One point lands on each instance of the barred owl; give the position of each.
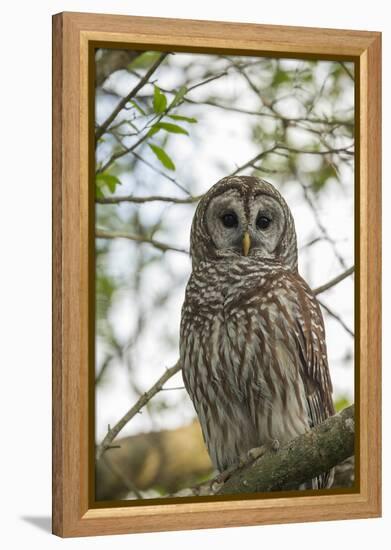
(252, 343)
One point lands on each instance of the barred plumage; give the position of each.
(252, 344)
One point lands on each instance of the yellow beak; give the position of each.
(246, 243)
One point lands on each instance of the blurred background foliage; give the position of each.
(168, 126)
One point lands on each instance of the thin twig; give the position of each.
(347, 71)
(206, 81)
(314, 152)
(101, 234)
(147, 396)
(337, 318)
(103, 127)
(320, 224)
(150, 198)
(120, 154)
(121, 476)
(174, 388)
(152, 166)
(131, 149)
(160, 172)
(313, 241)
(295, 120)
(334, 281)
(103, 369)
(253, 160)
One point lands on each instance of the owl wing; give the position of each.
(311, 344)
(313, 368)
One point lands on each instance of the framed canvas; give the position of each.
(238, 384)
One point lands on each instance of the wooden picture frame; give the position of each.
(74, 36)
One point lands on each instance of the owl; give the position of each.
(252, 337)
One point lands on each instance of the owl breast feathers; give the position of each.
(252, 342)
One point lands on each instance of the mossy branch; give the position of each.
(304, 458)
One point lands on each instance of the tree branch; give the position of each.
(304, 458)
(150, 198)
(147, 396)
(122, 103)
(111, 61)
(103, 127)
(337, 318)
(334, 281)
(347, 71)
(160, 172)
(101, 234)
(253, 160)
(296, 120)
(314, 152)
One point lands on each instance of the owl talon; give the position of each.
(257, 452)
(224, 475)
(244, 460)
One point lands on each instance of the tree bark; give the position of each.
(307, 456)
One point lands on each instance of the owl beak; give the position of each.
(246, 243)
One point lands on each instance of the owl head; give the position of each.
(243, 216)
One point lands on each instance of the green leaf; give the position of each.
(162, 156)
(179, 96)
(137, 106)
(280, 77)
(341, 403)
(320, 177)
(159, 100)
(173, 128)
(154, 130)
(185, 118)
(107, 180)
(98, 192)
(145, 60)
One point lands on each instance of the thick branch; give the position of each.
(103, 127)
(173, 460)
(304, 458)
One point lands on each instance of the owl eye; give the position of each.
(230, 219)
(263, 221)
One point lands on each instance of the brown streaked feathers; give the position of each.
(252, 344)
